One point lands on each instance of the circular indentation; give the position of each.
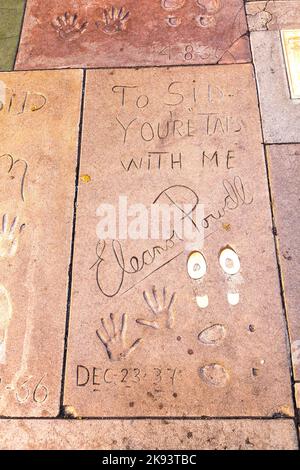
(214, 374)
(196, 265)
(206, 21)
(229, 261)
(190, 352)
(251, 328)
(173, 21)
(213, 334)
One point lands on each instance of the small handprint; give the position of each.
(68, 27)
(163, 312)
(115, 341)
(114, 20)
(9, 237)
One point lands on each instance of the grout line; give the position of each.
(277, 259)
(248, 30)
(70, 274)
(282, 143)
(149, 418)
(135, 67)
(20, 35)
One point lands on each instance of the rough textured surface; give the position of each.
(217, 361)
(297, 394)
(284, 162)
(280, 114)
(38, 152)
(273, 15)
(130, 435)
(11, 13)
(186, 351)
(132, 33)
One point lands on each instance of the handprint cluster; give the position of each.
(113, 338)
(69, 28)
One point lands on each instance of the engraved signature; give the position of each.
(13, 165)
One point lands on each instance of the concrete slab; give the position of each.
(145, 434)
(280, 113)
(285, 180)
(161, 338)
(101, 34)
(39, 119)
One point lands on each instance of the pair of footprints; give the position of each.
(230, 264)
(113, 337)
(69, 28)
(208, 10)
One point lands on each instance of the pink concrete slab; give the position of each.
(175, 346)
(39, 116)
(161, 434)
(104, 34)
(273, 15)
(285, 181)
